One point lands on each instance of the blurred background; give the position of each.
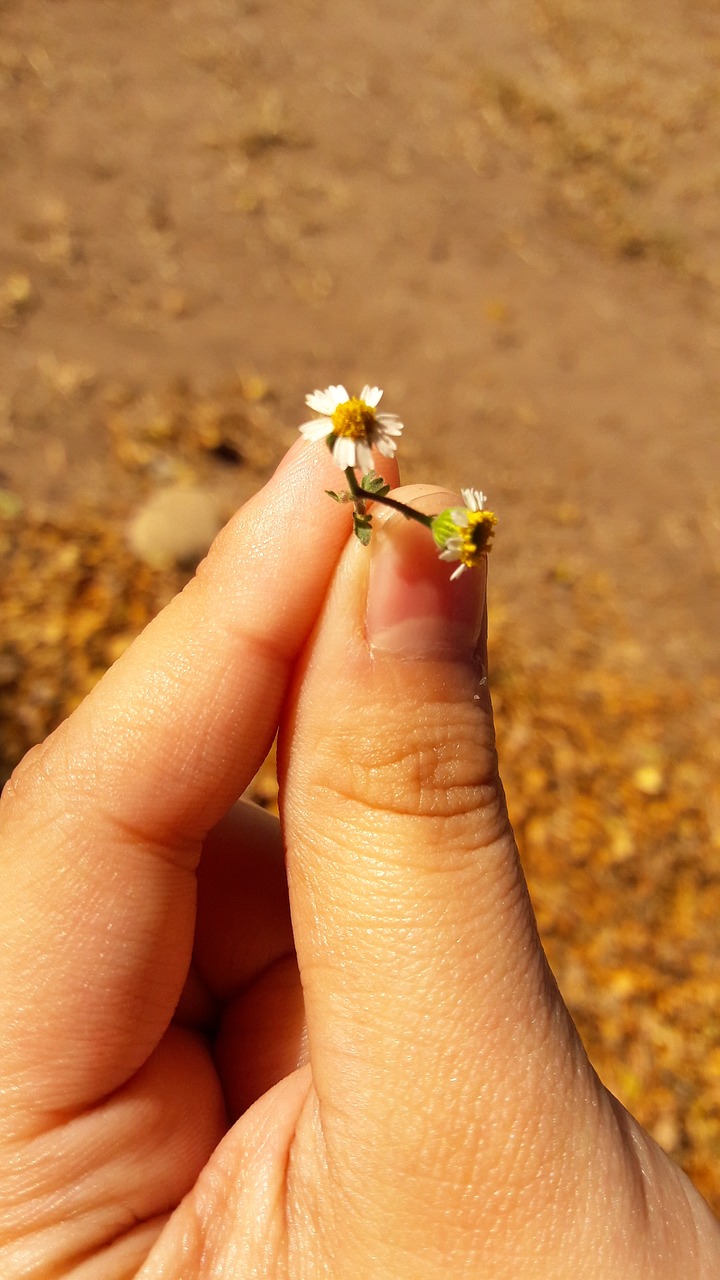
(505, 214)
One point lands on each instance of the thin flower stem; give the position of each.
(364, 495)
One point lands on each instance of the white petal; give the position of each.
(371, 395)
(317, 429)
(364, 456)
(344, 452)
(388, 448)
(390, 423)
(337, 394)
(474, 499)
(460, 569)
(459, 516)
(326, 401)
(319, 401)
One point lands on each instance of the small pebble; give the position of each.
(175, 526)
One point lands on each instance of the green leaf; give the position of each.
(373, 483)
(362, 528)
(339, 497)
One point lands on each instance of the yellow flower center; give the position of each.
(354, 419)
(476, 536)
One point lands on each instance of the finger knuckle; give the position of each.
(442, 764)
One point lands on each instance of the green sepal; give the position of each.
(444, 527)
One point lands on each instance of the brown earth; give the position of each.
(504, 214)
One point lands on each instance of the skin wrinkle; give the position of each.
(98, 1229)
(181, 853)
(437, 757)
(127, 1250)
(426, 761)
(461, 805)
(95, 1158)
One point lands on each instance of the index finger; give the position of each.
(103, 825)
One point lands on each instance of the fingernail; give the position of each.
(413, 609)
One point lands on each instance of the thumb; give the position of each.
(429, 1003)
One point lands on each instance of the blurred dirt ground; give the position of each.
(507, 217)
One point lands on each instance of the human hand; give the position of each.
(444, 1120)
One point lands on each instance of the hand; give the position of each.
(163, 1111)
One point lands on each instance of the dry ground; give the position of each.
(507, 215)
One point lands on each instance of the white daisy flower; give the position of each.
(351, 426)
(464, 533)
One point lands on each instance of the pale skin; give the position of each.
(371, 1075)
